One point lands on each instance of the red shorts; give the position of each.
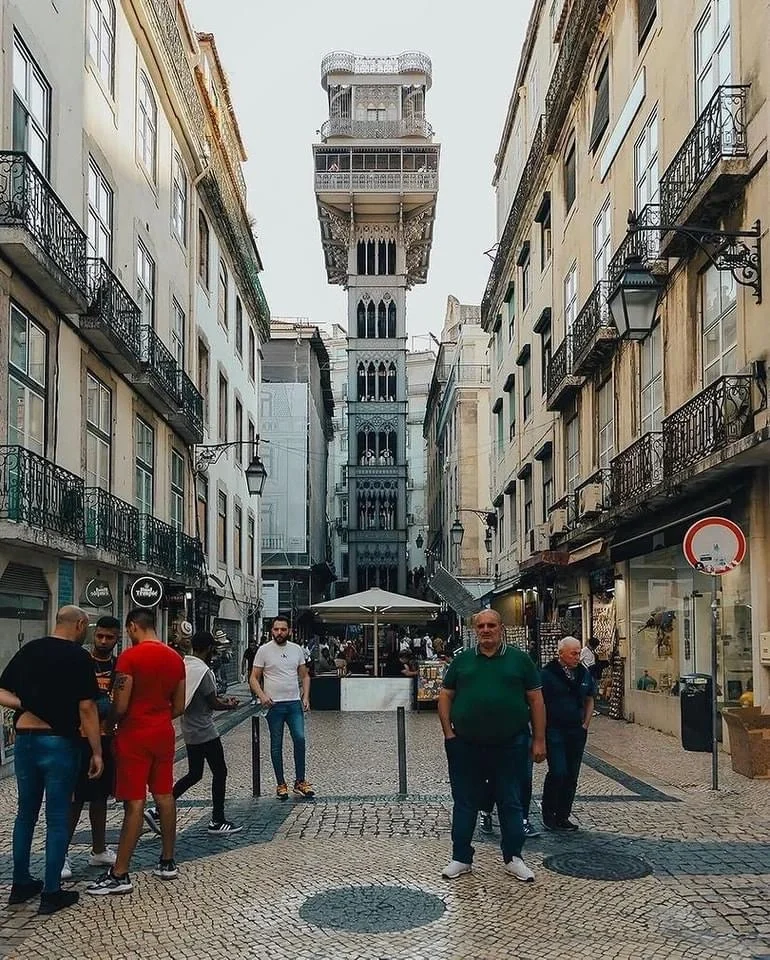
(144, 759)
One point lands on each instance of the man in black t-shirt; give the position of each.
(50, 683)
(97, 792)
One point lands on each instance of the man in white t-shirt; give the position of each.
(279, 668)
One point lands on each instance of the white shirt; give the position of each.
(587, 657)
(280, 662)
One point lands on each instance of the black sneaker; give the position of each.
(108, 884)
(486, 822)
(51, 902)
(152, 819)
(21, 892)
(166, 870)
(529, 830)
(567, 825)
(223, 827)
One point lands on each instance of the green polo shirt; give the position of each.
(490, 703)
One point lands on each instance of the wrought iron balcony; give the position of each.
(594, 335)
(36, 492)
(111, 321)
(156, 544)
(709, 170)
(380, 181)
(187, 420)
(562, 383)
(158, 379)
(644, 244)
(376, 129)
(39, 235)
(342, 61)
(714, 418)
(111, 524)
(637, 470)
(190, 558)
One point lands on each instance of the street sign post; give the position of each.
(714, 546)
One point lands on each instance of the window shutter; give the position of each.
(602, 109)
(647, 11)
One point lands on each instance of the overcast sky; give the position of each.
(272, 54)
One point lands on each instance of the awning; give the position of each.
(587, 550)
(453, 592)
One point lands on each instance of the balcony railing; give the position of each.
(720, 133)
(188, 420)
(190, 559)
(273, 542)
(714, 418)
(111, 524)
(561, 381)
(160, 366)
(637, 470)
(594, 334)
(376, 129)
(112, 319)
(381, 180)
(644, 244)
(342, 61)
(39, 493)
(157, 543)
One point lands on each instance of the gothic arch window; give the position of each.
(391, 257)
(381, 321)
(370, 330)
(391, 381)
(361, 258)
(361, 319)
(382, 382)
(361, 381)
(382, 257)
(370, 258)
(391, 319)
(371, 384)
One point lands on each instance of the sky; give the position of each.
(272, 55)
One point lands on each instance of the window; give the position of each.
(602, 106)
(145, 284)
(203, 250)
(712, 51)
(222, 528)
(178, 326)
(547, 485)
(202, 486)
(646, 173)
(238, 430)
(101, 40)
(570, 177)
(500, 426)
(603, 242)
(528, 507)
(545, 358)
(510, 304)
(222, 408)
(646, 17)
(252, 354)
(100, 199)
(31, 108)
(144, 466)
(570, 297)
(573, 453)
(147, 127)
(179, 201)
(238, 326)
(501, 525)
(252, 438)
(237, 537)
(177, 491)
(374, 113)
(719, 323)
(652, 381)
(512, 411)
(222, 295)
(250, 540)
(203, 377)
(98, 433)
(526, 389)
(525, 287)
(512, 524)
(544, 219)
(27, 381)
(605, 424)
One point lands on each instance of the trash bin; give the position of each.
(695, 702)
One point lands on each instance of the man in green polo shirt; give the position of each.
(491, 693)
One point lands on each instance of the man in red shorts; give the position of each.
(148, 693)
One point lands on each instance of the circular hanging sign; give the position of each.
(714, 545)
(146, 592)
(97, 593)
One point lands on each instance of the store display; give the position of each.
(517, 637)
(550, 634)
(616, 689)
(430, 673)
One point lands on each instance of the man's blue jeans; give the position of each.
(564, 750)
(504, 766)
(44, 764)
(287, 712)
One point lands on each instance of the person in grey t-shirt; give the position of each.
(200, 735)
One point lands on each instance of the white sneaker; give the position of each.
(454, 869)
(105, 859)
(517, 868)
(66, 870)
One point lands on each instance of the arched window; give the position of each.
(391, 319)
(370, 330)
(392, 381)
(371, 385)
(391, 257)
(381, 323)
(382, 382)
(382, 257)
(361, 258)
(361, 382)
(361, 319)
(371, 267)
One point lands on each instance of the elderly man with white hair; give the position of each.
(568, 692)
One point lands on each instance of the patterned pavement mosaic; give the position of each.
(355, 874)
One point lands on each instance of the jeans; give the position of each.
(287, 712)
(564, 751)
(504, 766)
(44, 764)
(488, 804)
(212, 753)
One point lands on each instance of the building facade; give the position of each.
(376, 180)
(610, 448)
(112, 152)
(419, 370)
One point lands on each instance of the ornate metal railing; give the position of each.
(160, 362)
(342, 61)
(594, 316)
(523, 194)
(637, 469)
(274, 542)
(712, 419)
(110, 304)
(111, 523)
(644, 244)
(39, 493)
(27, 200)
(156, 543)
(559, 367)
(720, 132)
(190, 565)
(376, 129)
(192, 401)
(378, 180)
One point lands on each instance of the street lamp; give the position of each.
(456, 532)
(420, 541)
(634, 300)
(256, 475)
(206, 454)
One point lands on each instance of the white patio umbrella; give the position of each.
(371, 606)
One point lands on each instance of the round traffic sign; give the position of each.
(714, 545)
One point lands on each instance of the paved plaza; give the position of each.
(662, 867)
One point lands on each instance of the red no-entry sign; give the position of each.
(714, 545)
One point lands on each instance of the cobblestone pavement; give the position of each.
(355, 874)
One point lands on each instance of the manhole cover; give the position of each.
(592, 865)
(372, 909)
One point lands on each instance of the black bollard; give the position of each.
(256, 784)
(401, 727)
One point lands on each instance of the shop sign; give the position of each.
(269, 599)
(97, 593)
(146, 592)
(714, 545)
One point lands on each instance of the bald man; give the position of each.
(51, 686)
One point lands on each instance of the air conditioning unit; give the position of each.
(557, 522)
(539, 539)
(590, 500)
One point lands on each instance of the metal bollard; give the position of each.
(401, 728)
(256, 783)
